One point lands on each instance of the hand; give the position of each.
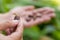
(19, 11)
(46, 14)
(35, 17)
(39, 16)
(17, 35)
(6, 21)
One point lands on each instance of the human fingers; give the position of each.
(19, 31)
(7, 24)
(28, 8)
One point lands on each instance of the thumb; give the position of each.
(7, 24)
(18, 33)
(13, 23)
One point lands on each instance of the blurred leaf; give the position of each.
(56, 35)
(48, 29)
(33, 32)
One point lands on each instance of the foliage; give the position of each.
(51, 29)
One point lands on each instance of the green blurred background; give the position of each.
(45, 31)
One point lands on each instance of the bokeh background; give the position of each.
(44, 31)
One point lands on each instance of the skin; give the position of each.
(8, 20)
(45, 16)
(45, 13)
(17, 11)
(16, 35)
